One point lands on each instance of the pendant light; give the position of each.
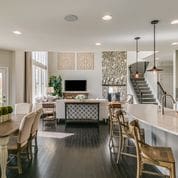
(136, 73)
(154, 68)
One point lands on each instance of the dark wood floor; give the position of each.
(83, 155)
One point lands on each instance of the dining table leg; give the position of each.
(3, 155)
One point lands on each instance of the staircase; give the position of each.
(143, 92)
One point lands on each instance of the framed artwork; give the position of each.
(66, 61)
(85, 61)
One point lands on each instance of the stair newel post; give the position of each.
(165, 99)
(141, 97)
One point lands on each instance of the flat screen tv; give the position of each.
(75, 85)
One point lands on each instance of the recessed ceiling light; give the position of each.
(174, 22)
(175, 43)
(107, 17)
(17, 32)
(71, 18)
(98, 44)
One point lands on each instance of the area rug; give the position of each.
(58, 135)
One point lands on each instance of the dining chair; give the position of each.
(34, 131)
(152, 155)
(20, 142)
(23, 108)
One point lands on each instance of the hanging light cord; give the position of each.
(154, 69)
(154, 45)
(137, 55)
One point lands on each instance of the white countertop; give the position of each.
(151, 115)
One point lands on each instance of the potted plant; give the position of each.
(10, 110)
(5, 113)
(0, 115)
(56, 83)
(4, 116)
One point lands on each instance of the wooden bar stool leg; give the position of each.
(139, 169)
(119, 148)
(173, 171)
(111, 136)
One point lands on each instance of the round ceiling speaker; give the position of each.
(71, 18)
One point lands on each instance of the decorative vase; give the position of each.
(9, 116)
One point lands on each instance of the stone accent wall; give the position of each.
(114, 71)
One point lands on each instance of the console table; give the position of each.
(85, 111)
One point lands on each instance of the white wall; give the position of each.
(14, 61)
(6, 58)
(93, 77)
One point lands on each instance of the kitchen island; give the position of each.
(160, 130)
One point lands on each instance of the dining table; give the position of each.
(6, 129)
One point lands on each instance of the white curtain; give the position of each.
(28, 77)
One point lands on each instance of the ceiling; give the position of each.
(43, 26)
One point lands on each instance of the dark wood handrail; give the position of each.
(163, 92)
(160, 86)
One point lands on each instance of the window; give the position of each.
(0, 88)
(40, 73)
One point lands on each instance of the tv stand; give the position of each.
(73, 94)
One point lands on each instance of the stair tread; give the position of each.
(149, 103)
(140, 85)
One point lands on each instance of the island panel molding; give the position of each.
(85, 61)
(66, 61)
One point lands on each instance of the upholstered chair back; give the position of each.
(36, 121)
(25, 128)
(23, 108)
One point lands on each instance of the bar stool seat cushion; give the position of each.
(154, 153)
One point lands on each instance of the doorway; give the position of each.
(3, 86)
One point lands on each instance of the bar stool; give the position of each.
(114, 131)
(125, 135)
(152, 155)
(49, 114)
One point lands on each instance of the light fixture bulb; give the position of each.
(154, 72)
(107, 17)
(17, 32)
(98, 44)
(136, 75)
(174, 22)
(174, 43)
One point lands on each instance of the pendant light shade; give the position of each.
(154, 68)
(137, 73)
